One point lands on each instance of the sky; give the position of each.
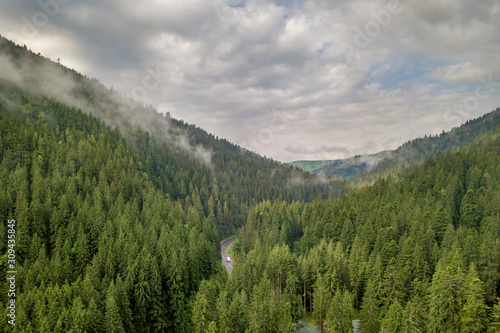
(291, 80)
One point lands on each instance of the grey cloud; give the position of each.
(234, 62)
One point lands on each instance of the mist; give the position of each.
(41, 76)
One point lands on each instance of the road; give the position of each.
(223, 250)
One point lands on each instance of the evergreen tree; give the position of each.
(113, 319)
(200, 314)
(212, 327)
(474, 310)
(469, 213)
(446, 297)
(321, 301)
(494, 325)
(370, 310)
(341, 312)
(414, 316)
(263, 309)
(393, 321)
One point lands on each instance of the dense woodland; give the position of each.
(416, 253)
(119, 229)
(96, 210)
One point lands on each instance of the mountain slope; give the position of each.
(415, 151)
(424, 245)
(312, 166)
(119, 210)
(183, 160)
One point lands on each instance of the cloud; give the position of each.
(228, 64)
(49, 79)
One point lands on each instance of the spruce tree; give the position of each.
(446, 297)
(341, 312)
(469, 213)
(321, 301)
(393, 321)
(474, 310)
(369, 313)
(494, 326)
(113, 320)
(200, 313)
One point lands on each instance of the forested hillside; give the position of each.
(98, 246)
(182, 160)
(119, 220)
(118, 224)
(416, 253)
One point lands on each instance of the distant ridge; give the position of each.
(414, 151)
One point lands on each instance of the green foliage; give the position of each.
(370, 310)
(447, 292)
(474, 310)
(200, 314)
(103, 236)
(393, 321)
(494, 325)
(400, 247)
(414, 316)
(341, 313)
(321, 301)
(118, 228)
(262, 311)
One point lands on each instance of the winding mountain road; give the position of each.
(223, 250)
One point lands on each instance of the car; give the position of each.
(228, 259)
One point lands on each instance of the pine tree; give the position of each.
(124, 305)
(263, 308)
(370, 310)
(393, 321)
(469, 213)
(391, 286)
(414, 316)
(440, 222)
(341, 312)
(489, 263)
(212, 327)
(321, 301)
(474, 310)
(78, 316)
(446, 297)
(494, 326)
(113, 318)
(95, 318)
(200, 313)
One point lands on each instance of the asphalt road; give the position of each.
(223, 250)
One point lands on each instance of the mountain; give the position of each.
(347, 168)
(113, 216)
(419, 252)
(414, 151)
(312, 166)
(117, 210)
(185, 161)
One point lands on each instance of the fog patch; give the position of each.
(40, 76)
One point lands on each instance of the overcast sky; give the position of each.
(292, 80)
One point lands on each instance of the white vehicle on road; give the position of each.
(228, 259)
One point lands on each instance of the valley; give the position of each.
(119, 222)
